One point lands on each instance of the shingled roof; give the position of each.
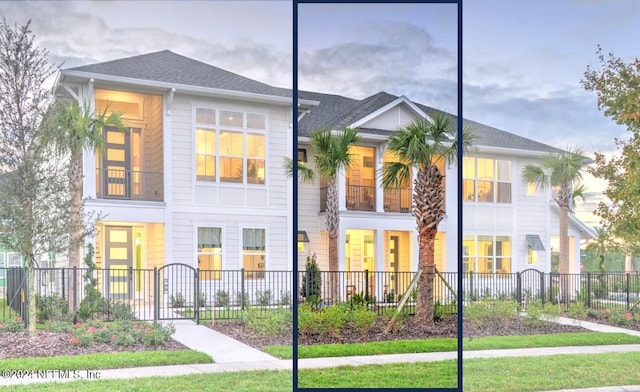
(334, 111)
(169, 67)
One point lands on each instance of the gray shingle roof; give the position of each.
(168, 67)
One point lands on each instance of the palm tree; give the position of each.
(72, 129)
(561, 171)
(422, 144)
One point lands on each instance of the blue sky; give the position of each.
(522, 61)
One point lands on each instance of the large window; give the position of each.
(210, 252)
(486, 254)
(486, 180)
(230, 146)
(254, 253)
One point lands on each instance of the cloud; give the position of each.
(396, 57)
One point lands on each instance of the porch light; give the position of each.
(302, 238)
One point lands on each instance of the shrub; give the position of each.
(157, 334)
(93, 299)
(621, 318)
(222, 298)
(312, 279)
(577, 310)
(177, 301)
(363, 319)
(285, 298)
(202, 300)
(332, 319)
(272, 322)
(51, 307)
(242, 298)
(481, 312)
(308, 321)
(12, 325)
(120, 311)
(263, 298)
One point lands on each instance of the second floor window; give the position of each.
(486, 180)
(230, 146)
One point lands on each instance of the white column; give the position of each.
(381, 278)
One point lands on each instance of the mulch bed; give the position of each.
(49, 344)
(410, 329)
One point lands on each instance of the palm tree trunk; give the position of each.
(75, 240)
(333, 223)
(424, 305)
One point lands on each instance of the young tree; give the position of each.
(34, 213)
(561, 171)
(71, 129)
(421, 145)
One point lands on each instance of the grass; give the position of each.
(450, 344)
(493, 375)
(107, 360)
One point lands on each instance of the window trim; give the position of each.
(196, 253)
(475, 256)
(266, 249)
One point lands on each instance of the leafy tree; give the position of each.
(422, 144)
(561, 171)
(71, 129)
(34, 213)
(617, 85)
(602, 246)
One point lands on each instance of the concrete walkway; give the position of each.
(231, 355)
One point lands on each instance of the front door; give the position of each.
(117, 164)
(393, 263)
(118, 261)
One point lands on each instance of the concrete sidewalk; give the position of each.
(231, 355)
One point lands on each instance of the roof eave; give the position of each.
(278, 100)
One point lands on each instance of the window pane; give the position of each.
(255, 146)
(254, 266)
(485, 191)
(205, 168)
(468, 168)
(504, 170)
(256, 121)
(205, 116)
(485, 245)
(255, 171)
(468, 191)
(231, 118)
(503, 246)
(253, 239)
(209, 237)
(485, 169)
(231, 169)
(205, 141)
(504, 192)
(231, 143)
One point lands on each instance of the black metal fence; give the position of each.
(177, 291)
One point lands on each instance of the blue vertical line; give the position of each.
(294, 156)
(460, 152)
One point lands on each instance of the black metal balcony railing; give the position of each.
(397, 200)
(361, 198)
(129, 185)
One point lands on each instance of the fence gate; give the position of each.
(530, 286)
(177, 291)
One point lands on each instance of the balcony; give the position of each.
(397, 200)
(122, 184)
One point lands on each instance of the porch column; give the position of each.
(378, 181)
(381, 277)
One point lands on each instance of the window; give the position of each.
(486, 254)
(230, 146)
(486, 180)
(534, 245)
(532, 189)
(254, 252)
(210, 252)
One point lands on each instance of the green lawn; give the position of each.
(450, 344)
(107, 360)
(493, 375)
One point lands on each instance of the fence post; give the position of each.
(588, 290)
(542, 288)
(519, 288)
(242, 288)
(156, 294)
(75, 288)
(366, 287)
(628, 289)
(196, 283)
